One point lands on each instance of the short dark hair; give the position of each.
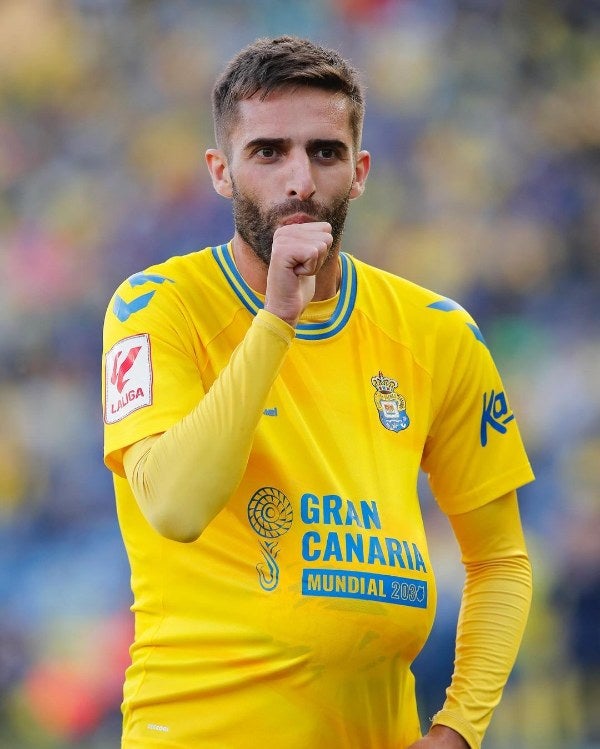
(269, 65)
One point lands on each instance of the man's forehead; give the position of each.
(289, 111)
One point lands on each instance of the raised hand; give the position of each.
(298, 253)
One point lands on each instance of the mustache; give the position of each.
(289, 207)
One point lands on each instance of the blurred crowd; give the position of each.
(483, 119)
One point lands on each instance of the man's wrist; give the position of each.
(277, 324)
(450, 738)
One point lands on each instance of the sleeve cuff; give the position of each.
(275, 324)
(460, 725)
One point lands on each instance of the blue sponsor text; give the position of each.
(357, 547)
(401, 591)
(331, 509)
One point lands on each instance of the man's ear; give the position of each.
(216, 161)
(361, 171)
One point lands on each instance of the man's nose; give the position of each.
(300, 181)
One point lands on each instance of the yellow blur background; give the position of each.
(483, 120)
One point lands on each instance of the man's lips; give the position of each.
(297, 218)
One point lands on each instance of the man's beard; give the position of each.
(257, 228)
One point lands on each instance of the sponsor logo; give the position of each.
(128, 373)
(271, 515)
(495, 414)
(270, 411)
(390, 405)
(339, 534)
(349, 532)
(368, 586)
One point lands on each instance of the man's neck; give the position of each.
(254, 271)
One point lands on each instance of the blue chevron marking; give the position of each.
(449, 305)
(445, 305)
(139, 279)
(477, 333)
(123, 310)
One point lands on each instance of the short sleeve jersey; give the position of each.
(293, 620)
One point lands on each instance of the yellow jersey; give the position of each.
(293, 620)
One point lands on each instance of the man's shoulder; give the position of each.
(384, 285)
(157, 287)
(176, 267)
(177, 271)
(386, 296)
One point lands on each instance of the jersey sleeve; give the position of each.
(151, 368)
(474, 452)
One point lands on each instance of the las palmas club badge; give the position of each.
(390, 404)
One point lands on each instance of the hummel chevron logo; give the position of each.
(139, 279)
(449, 305)
(123, 310)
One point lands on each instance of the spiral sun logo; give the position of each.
(270, 515)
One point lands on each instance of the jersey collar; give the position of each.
(308, 331)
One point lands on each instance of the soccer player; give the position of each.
(268, 404)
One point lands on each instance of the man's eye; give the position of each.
(266, 152)
(326, 154)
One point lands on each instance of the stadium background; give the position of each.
(484, 124)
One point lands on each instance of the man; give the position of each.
(268, 404)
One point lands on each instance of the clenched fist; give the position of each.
(299, 250)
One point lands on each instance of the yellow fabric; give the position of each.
(294, 618)
(494, 610)
(168, 473)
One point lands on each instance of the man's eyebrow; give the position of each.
(337, 145)
(284, 143)
(267, 143)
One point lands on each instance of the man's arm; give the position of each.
(493, 614)
(182, 478)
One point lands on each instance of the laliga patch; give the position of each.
(128, 377)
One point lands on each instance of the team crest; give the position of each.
(391, 406)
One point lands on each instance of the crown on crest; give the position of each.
(384, 384)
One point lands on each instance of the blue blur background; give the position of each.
(483, 121)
